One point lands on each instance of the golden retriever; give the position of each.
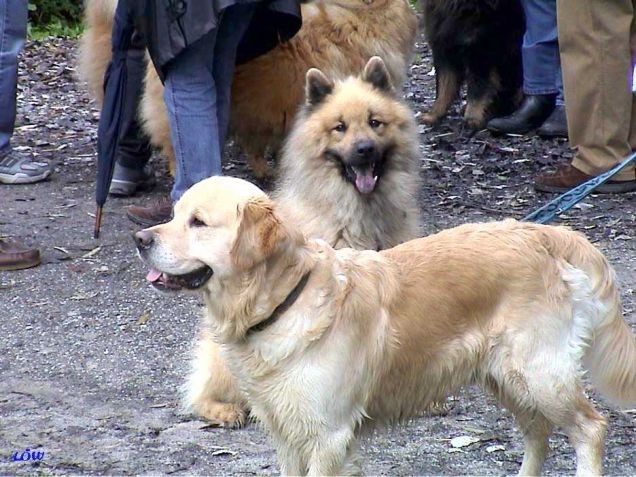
(337, 36)
(354, 144)
(328, 342)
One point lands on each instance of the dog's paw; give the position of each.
(430, 119)
(223, 414)
(475, 123)
(260, 167)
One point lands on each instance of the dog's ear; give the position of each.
(375, 72)
(317, 87)
(260, 234)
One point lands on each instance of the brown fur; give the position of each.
(518, 308)
(337, 36)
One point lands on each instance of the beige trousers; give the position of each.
(597, 39)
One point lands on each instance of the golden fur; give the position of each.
(314, 194)
(337, 36)
(375, 337)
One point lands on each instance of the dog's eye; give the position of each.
(196, 222)
(374, 123)
(341, 127)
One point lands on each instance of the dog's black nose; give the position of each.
(143, 239)
(365, 148)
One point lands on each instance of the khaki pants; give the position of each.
(596, 40)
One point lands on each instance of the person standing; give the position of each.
(15, 167)
(543, 105)
(598, 41)
(194, 47)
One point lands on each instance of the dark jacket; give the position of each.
(169, 26)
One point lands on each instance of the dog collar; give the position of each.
(283, 307)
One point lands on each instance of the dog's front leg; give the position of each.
(334, 453)
(211, 390)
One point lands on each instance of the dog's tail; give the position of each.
(599, 334)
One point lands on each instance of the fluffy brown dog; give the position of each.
(328, 342)
(349, 176)
(337, 36)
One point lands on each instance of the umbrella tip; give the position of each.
(98, 222)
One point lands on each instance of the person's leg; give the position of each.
(594, 38)
(540, 50)
(134, 150)
(540, 55)
(234, 23)
(15, 167)
(134, 147)
(13, 23)
(190, 96)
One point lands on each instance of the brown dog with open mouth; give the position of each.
(328, 342)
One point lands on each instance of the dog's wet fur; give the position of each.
(370, 338)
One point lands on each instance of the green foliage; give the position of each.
(55, 18)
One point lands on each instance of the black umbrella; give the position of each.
(115, 107)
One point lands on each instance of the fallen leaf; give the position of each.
(495, 448)
(93, 252)
(144, 318)
(464, 441)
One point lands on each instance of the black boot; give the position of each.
(534, 110)
(556, 125)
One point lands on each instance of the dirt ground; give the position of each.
(92, 359)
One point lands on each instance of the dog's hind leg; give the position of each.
(511, 390)
(211, 391)
(583, 425)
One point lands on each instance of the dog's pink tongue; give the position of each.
(365, 180)
(153, 275)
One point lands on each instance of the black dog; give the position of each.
(478, 41)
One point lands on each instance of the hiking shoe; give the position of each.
(17, 256)
(158, 213)
(16, 168)
(127, 181)
(567, 177)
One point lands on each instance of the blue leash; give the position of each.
(566, 201)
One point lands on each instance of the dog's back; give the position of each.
(517, 307)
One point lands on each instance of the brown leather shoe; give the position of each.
(567, 177)
(158, 213)
(16, 256)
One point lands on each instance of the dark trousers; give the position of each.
(134, 148)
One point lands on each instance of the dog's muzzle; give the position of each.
(145, 240)
(363, 167)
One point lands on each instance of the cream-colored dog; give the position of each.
(328, 342)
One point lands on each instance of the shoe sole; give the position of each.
(143, 222)
(497, 132)
(20, 266)
(129, 189)
(543, 135)
(611, 188)
(21, 178)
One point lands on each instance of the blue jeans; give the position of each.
(540, 51)
(197, 91)
(13, 27)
